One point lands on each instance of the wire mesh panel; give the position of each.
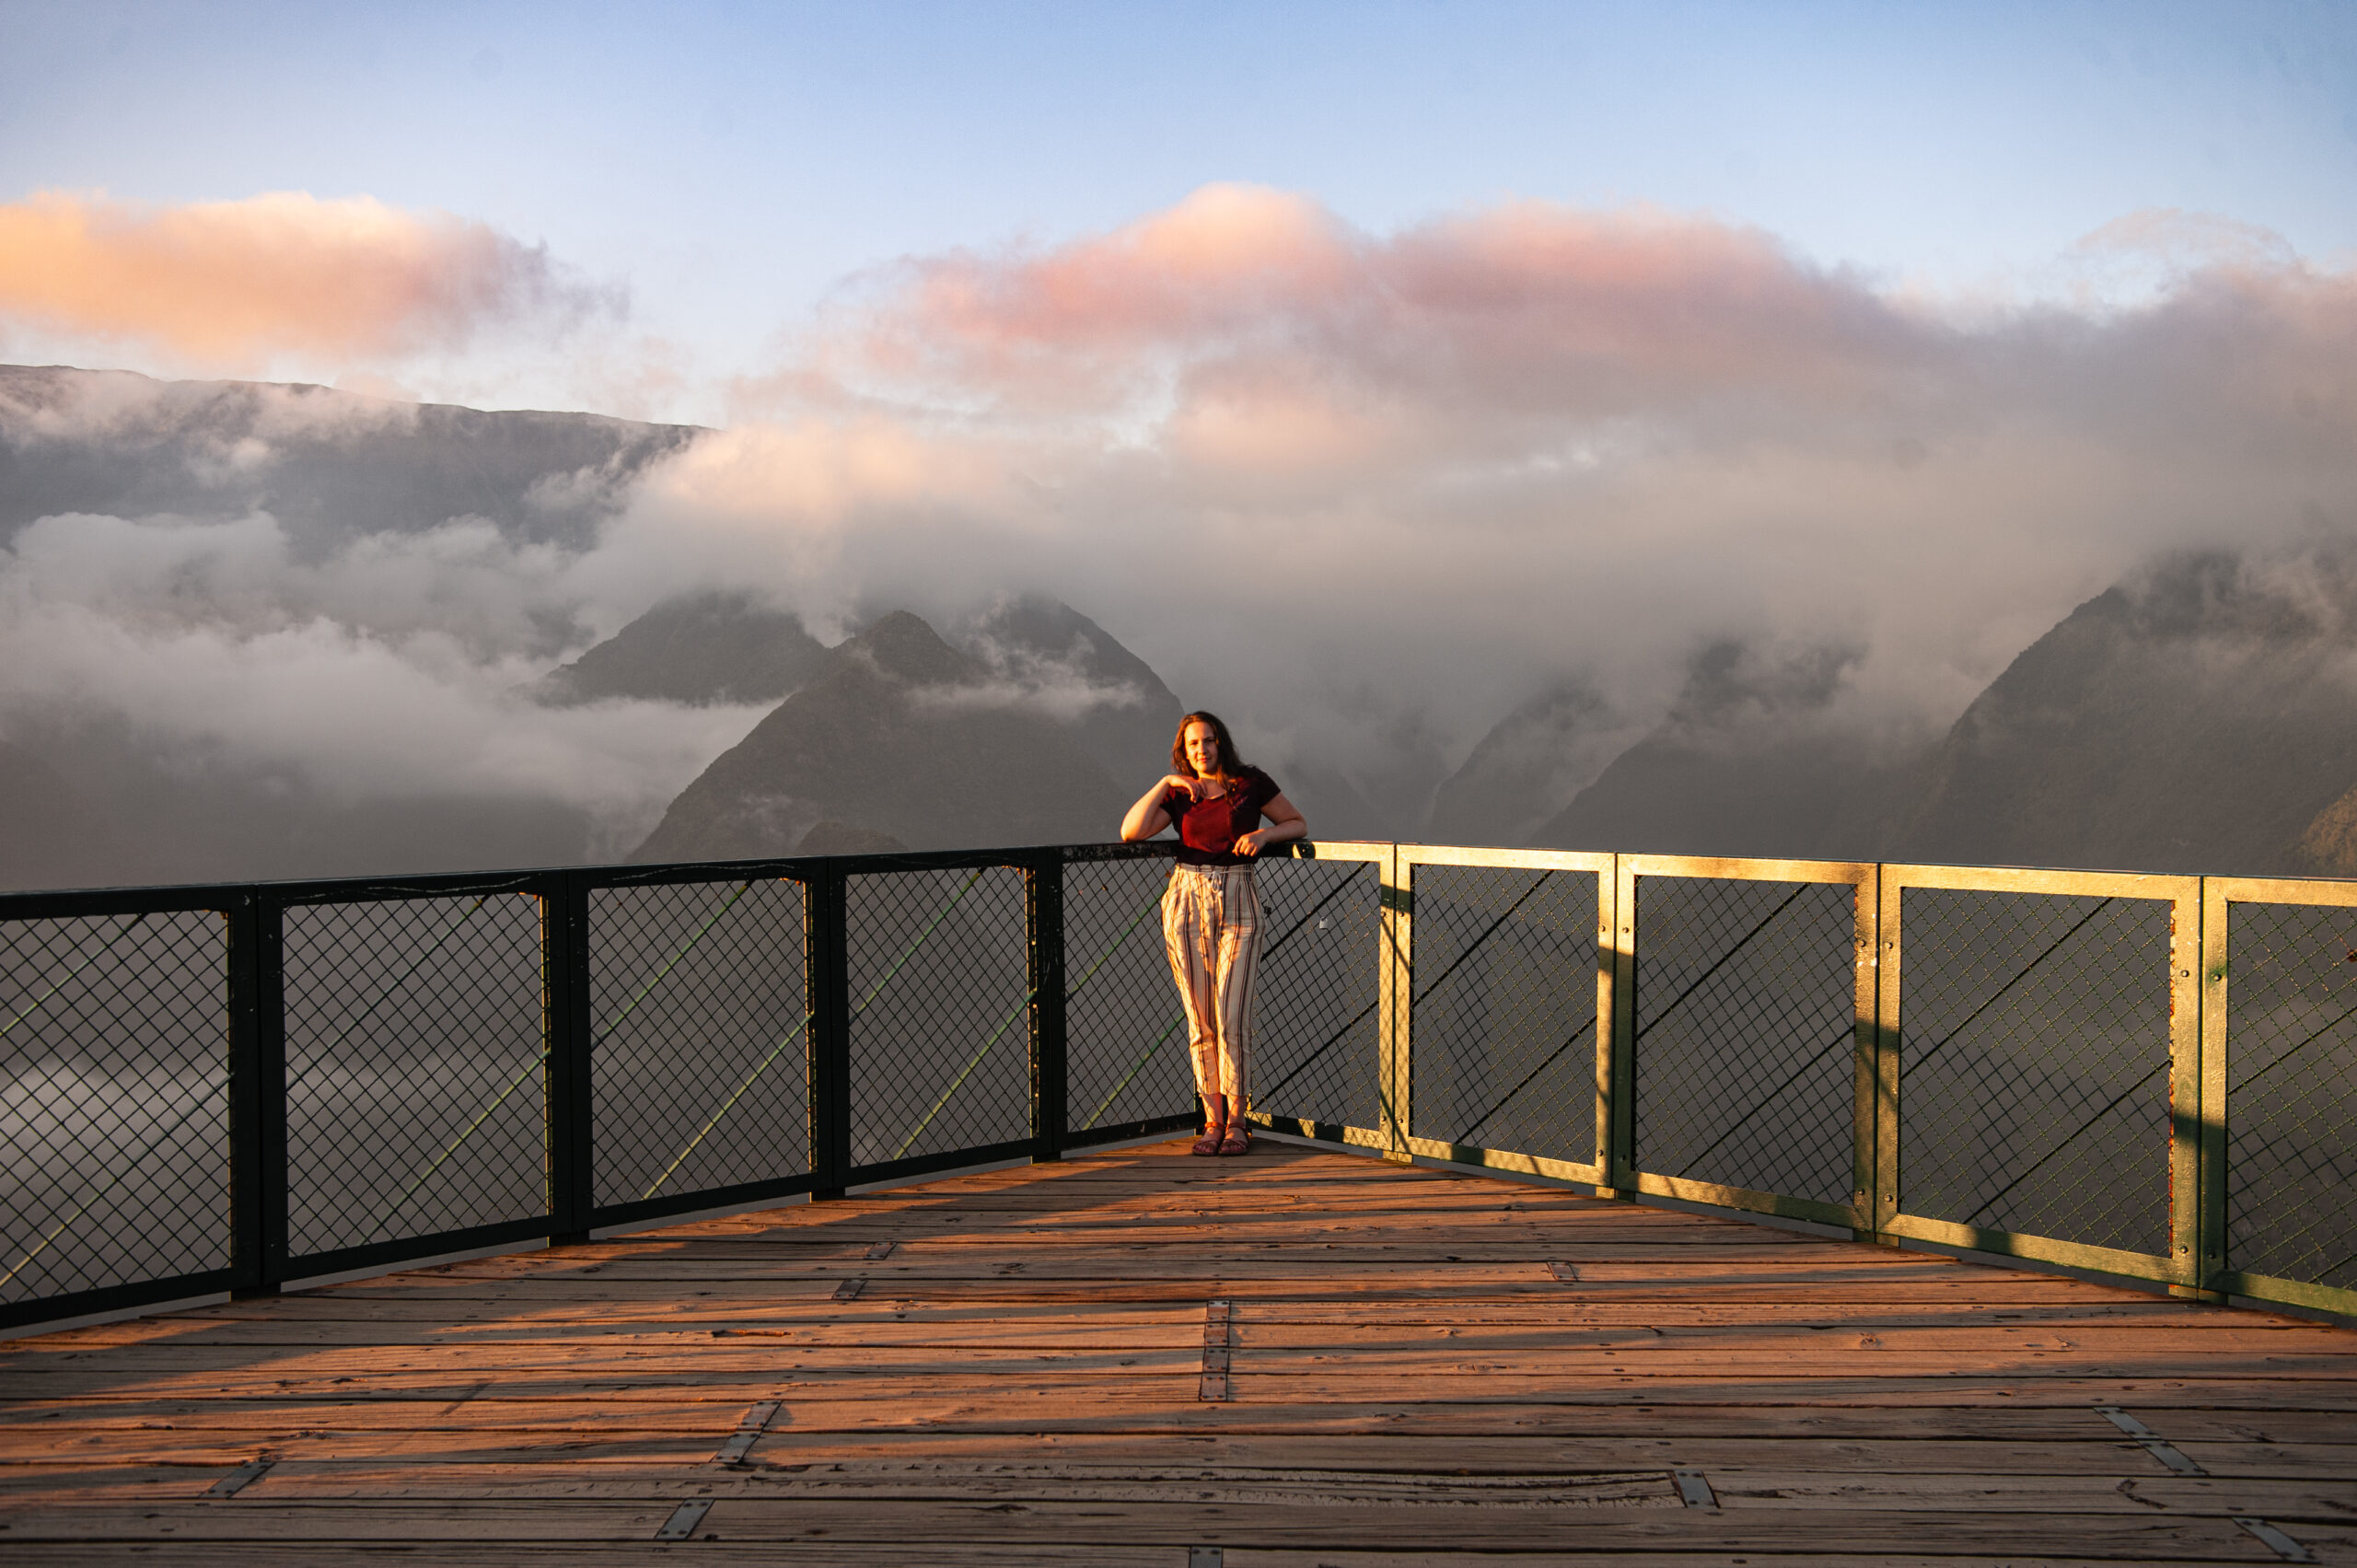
(1503, 1033)
(699, 1021)
(1315, 1041)
(1125, 1033)
(1746, 1018)
(940, 994)
(114, 1100)
(415, 1092)
(2291, 1093)
(2033, 1064)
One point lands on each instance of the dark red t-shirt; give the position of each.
(1208, 829)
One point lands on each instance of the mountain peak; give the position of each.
(701, 648)
(903, 646)
(862, 749)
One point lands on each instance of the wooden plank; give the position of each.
(463, 1554)
(1498, 1359)
(896, 1481)
(932, 1418)
(1503, 1240)
(399, 1316)
(1494, 1230)
(2290, 1502)
(1274, 1278)
(1039, 1391)
(1117, 1327)
(1824, 1557)
(337, 1524)
(1403, 1327)
(2138, 1536)
(1274, 1260)
(1276, 1330)
(434, 1554)
(219, 1449)
(575, 1448)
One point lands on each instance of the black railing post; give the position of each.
(564, 969)
(1043, 918)
(257, 1094)
(827, 965)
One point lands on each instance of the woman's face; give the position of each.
(1202, 748)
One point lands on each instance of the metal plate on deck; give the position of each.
(748, 1431)
(2276, 1542)
(1217, 1330)
(1694, 1488)
(2168, 1456)
(2126, 1423)
(2152, 1441)
(684, 1520)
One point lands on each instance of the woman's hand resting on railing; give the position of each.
(1285, 824)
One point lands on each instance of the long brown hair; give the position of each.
(1230, 764)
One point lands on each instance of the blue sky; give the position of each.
(728, 164)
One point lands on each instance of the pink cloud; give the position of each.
(229, 284)
(1528, 303)
(1253, 338)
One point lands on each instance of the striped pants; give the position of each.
(1211, 927)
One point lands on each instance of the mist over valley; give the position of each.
(257, 630)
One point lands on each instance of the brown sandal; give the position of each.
(1209, 1143)
(1238, 1140)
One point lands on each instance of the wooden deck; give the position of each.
(1012, 1368)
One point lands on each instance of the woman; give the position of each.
(1211, 911)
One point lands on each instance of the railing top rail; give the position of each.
(49, 903)
(69, 903)
(2041, 879)
(1857, 873)
(2340, 893)
(1511, 859)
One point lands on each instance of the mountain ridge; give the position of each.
(901, 735)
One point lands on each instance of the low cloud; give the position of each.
(231, 285)
(393, 670)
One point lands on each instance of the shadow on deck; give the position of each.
(1025, 1367)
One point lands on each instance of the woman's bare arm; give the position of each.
(1285, 824)
(1147, 818)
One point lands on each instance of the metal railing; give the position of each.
(228, 1088)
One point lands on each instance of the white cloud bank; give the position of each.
(1321, 476)
(1363, 492)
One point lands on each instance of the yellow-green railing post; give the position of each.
(1866, 1053)
(1889, 979)
(1396, 986)
(2190, 1103)
(2217, 914)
